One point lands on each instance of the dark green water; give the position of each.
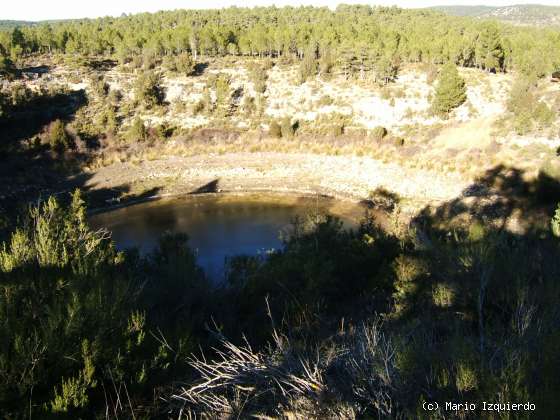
(218, 227)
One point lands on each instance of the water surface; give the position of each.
(218, 226)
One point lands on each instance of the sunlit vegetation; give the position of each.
(450, 90)
(356, 37)
(527, 110)
(147, 89)
(372, 45)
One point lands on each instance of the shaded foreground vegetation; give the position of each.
(339, 324)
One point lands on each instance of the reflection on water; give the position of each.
(217, 227)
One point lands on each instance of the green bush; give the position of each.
(115, 97)
(223, 93)
(399, 141)
(325, 100)
(58, 138)
(544, 115)
(137, 131)
(337, 130)
(450, 92)
(198, 107)
(106, 121)
(79, 317)
(249, 106)
(205, 104)
(332, 124)
(527, 111)
(99, 87)
(185, 64)
(258, 76)
(20, 94)
(148, 90)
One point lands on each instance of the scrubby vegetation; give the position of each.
(77, 315)
(147, 89)
(528, 111)
(339, 323)
(450, 303)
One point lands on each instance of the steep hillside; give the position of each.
(9, 24)
(472, 11)
(523, 14)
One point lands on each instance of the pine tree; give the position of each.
(489, 50)
(450, 91)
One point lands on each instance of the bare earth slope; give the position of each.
(339, 176)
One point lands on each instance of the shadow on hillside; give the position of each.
(211, 187)
(102, 65)
(503, 198)
(199, 68)
(117, 196)
(481, 282)
(41, 69)
(29, 166)
(99, 199)
(437, 271)
(29, 119)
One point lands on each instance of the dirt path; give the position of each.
(338, 176)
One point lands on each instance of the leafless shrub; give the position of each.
(355, 375)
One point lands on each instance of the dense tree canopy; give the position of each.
(359, 36)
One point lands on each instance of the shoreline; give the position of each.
(248, 193)
(345, 178)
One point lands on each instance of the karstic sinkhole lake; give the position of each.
(218, 226)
